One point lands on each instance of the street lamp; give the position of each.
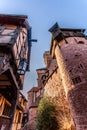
(22, 67)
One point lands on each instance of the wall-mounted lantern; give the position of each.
(22, 67)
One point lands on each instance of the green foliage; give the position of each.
(46, 119)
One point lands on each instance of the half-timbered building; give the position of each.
(15, 49)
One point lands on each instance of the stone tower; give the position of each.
(69, 48)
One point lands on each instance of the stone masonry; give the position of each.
(65, 78)
(69, 47)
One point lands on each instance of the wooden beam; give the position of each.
(13, 78)
(2, 87)
(5, 83)
(3, 77)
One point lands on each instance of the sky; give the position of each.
(42, 15)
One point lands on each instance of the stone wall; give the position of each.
(75, 58)
(55, 90)
(32, 117)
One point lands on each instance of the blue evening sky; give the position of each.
(42, 14)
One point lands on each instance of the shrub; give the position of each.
(46, 118)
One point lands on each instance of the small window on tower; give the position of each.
(81, 66)
(77, 80)
(80, 42)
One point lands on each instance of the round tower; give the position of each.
(69, 47)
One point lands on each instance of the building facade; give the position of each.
(36, 93)
(14, 62)
(19, 113)
(34, 96)
(65, 77)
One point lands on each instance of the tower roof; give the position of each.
(59, 34)
(14, 19)
(56, 27)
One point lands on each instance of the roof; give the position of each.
(56, 26)
(41, 69)
(33, 106)
(73, 29)
(59, 34)
(34, 89)
(14, 19)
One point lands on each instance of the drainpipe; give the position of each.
(30, 40)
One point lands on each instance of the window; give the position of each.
(80, 66)
(76, 80)
(47, 73)
(43, 77)
(80, 42)
(1, 58)
(43, 81)
(6, 111)
(19, 118)
(20, 98)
